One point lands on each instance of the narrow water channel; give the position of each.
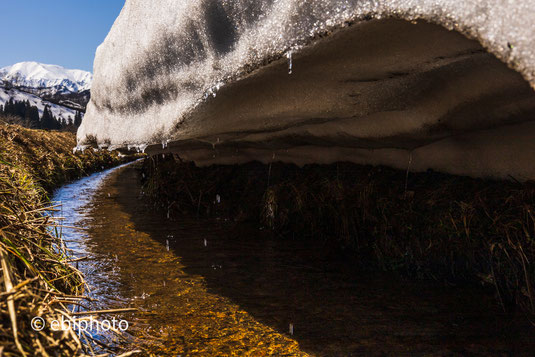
(209, 288)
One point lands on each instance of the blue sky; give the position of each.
(63, 32)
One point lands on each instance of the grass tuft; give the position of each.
(37, 279)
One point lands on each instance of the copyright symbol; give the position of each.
(38, 323)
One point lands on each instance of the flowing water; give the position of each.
(213, 288)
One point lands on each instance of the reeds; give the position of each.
(37, 279)
(426, 225)
(34, 272)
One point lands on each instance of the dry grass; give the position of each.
(48, 155)
(37, 279)
(431, 225)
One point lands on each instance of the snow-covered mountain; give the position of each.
(64, 91)
(58, 111)
(46, 76)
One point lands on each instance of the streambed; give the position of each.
(206, 287)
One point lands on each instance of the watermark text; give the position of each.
(88, 325)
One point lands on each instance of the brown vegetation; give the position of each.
(429, 225)
(37, 279)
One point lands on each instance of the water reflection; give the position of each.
(212, 288)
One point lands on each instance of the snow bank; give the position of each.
(380, 82)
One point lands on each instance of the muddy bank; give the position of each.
(207, 287)
(451, 229)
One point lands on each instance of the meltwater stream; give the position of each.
(209, 288)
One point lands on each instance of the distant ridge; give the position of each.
(40, 76)
(64, 91)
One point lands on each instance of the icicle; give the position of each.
(213, 90)
(205, 242)
(81, 148)
(289, 56)
(291, 328)
(167, 244)
(138, 148)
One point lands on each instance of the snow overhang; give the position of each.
(373, 91)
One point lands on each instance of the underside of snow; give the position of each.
(414, 84)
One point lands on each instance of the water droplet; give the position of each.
(218, 198)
